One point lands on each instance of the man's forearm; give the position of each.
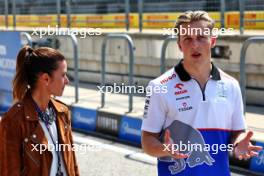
(153, 146)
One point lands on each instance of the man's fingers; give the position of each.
(249, 136)
(167, 137)
(244, 156)
(252, 154)
(247, 155)
(256, 148)
(179, 155)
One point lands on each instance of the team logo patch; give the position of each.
(183, 98)
(221, 90)
(180, 89)
(168, 78)
(179, 86)
(187, 135)
(185, 107)
(147, 101)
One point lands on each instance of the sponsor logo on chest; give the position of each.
(180, 89)
(185, 107)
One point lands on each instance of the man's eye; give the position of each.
(201, 37)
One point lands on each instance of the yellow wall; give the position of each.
(82, 20)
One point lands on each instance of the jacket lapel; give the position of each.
(37, 135)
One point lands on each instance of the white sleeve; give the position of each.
(238, 118)
(154, 111)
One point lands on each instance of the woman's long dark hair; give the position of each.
(30, 63)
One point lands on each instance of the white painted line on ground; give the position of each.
(132, 154)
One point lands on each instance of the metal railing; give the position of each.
(130, 43)
(163, 52)
(28, 38)
(242, 78)
(76, 65)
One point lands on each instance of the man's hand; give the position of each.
(244, 149)
(169, 147)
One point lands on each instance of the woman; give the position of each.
(35, 134)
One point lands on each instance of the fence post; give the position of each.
(222, 13)
(68, 9)
(243, 65)
(163, 52)
(140, 15)
(127, 11)
(14, 13)
(241, 12)
(6, 13)
(131, 65)
(58, 13)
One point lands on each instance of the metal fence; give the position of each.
(125, 7)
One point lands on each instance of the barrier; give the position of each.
(163, 52)
(131, 65)
(83, 119)
(243, 65)
(130, 129)
(10, 44)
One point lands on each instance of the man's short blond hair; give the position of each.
(192, 16)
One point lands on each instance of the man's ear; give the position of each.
(213, 41)
(179, 45)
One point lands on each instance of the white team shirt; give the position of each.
(195, 116)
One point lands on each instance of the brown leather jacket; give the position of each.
(20, 131)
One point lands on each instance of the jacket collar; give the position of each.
(184, 75)
(30, 111)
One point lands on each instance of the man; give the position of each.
(192, 127)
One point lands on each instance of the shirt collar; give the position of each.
(184, 75)
(30, 111)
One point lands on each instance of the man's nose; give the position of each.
(194, 44)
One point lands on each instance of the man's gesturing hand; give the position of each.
(244, 149)
(169, 147)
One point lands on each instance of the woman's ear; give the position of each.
(45, 78)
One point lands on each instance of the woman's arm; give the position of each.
(10, 147)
